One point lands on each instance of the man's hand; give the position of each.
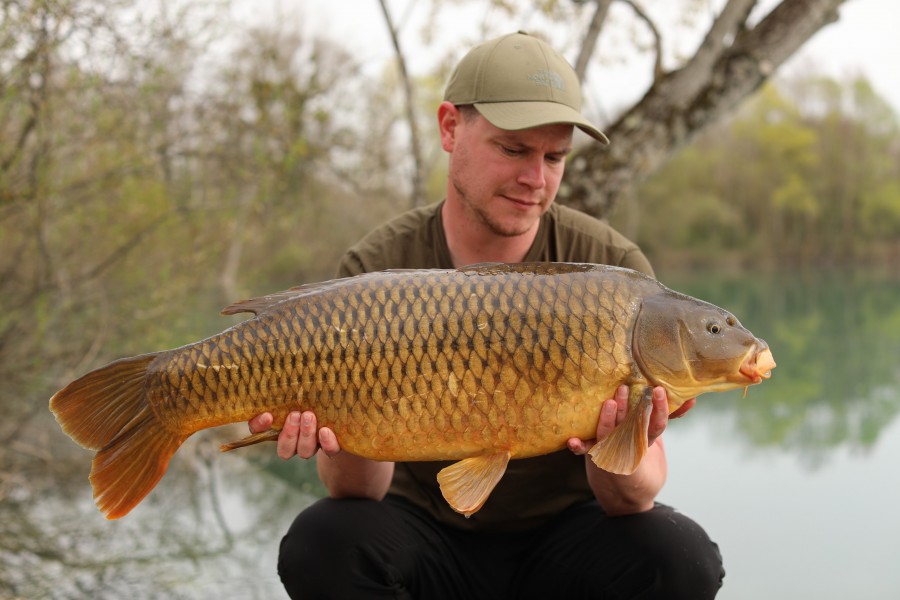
(630, 494)
(613, 412)
(298, 436)
(345, 475)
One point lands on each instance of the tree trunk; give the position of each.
(681, 103)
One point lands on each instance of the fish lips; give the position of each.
(758, 365)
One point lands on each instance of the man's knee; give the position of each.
(657, 554)
(318, 545)
(689, 564)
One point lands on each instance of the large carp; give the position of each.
(483, 364)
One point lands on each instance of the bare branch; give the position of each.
(721, 35)
(663, 121)
(657, 38)
(590, 38)
(123, 249)
(418, 193)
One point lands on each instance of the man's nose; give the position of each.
(532, 173)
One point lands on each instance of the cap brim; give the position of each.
(513, 116)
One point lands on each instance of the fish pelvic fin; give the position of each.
(107, 410)
(622, 451)
(467, 484)
(269, 435)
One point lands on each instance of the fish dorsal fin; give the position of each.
(622, 451)
(256, 305)
(467, 484)
(533, 268)
(486, 268)
(264, 303)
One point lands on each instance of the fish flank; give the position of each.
(401, 365)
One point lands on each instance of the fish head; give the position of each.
(691, 347)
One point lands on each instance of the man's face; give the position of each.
(505, 180)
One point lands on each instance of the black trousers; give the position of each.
(348, 549)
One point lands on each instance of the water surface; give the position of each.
(797, 481)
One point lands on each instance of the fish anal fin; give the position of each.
(467, 484)
(269, 435)
(622, 451)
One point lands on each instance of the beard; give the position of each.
(480, 213)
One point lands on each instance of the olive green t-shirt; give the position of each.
(533, 489)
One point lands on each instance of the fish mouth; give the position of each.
(758, 365)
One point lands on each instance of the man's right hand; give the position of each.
(298, 436)
(344, 475)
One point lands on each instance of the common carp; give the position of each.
(481, 365)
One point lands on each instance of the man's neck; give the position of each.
(471, 242)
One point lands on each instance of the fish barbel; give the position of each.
(481, 365)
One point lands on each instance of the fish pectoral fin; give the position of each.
(621, 451)
(467, 484)
(269, 435)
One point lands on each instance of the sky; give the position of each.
(864, 40)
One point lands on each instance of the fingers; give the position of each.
(612, 412)
(301, 436)
(290, 434)
(609, 412)
(328, 442)
(307, 442)
(260, 423)
(659, 416)
(578, 447)
(621, 399)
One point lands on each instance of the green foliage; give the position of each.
(148, 178)
(880, 211)
(808, 171)
(133, 197)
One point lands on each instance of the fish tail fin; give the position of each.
(622, 451)
(107, 410)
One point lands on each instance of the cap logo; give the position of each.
(549, 79)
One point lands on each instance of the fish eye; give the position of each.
(713, 327)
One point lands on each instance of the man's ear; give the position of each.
(448, 119)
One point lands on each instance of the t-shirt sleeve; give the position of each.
(412, 240)
(573, 236)
(635, 259)
(350, 264)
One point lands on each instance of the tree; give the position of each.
(734, 59)
(738, 53)
(808, 171)
(271, 134)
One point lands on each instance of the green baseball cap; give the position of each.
(517, 82)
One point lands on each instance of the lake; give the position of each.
(797, 482)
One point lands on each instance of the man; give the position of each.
(556, 525)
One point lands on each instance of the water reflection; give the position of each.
(836, 339)
(211, 528)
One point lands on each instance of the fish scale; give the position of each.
(480, 365)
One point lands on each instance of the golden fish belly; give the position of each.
(422, 367)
